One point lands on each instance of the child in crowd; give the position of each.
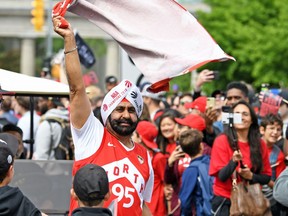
(12, 200)
(18, 133)
(91, 189)
(196, 190)
(271, 127)
(145, 134)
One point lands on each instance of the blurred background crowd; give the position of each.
(165, 117)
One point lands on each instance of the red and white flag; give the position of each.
(163, 39)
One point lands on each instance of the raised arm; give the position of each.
(79, 102)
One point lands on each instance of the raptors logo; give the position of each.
(134, 94)
(140, 159)
(128, 83)
(105, 107)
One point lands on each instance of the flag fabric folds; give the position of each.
(163, 38)
(86, 55)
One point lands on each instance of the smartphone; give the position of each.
(216, 75)
(227, 114)
(264, 87)
(210, 102)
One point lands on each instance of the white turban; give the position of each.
(124, 89)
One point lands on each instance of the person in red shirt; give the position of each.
(145, 134)
(166, 131)
(226, 157)
(271, 127)
(167, 144)
(178, 161)
(128, 164)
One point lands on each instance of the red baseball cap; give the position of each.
(199, 104)
(157, 115)
(148, 133)
(193, 121)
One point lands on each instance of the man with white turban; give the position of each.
(127, 164)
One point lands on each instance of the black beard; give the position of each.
(123, 131)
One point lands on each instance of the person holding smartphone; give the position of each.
(178, 160)
(250, 150)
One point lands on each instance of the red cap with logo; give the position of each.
(199, 104)
(148, 133)
(193, 121)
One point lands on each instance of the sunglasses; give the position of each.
(184, 102)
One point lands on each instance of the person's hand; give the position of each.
(237, 156)
(175, 155)
(211, 115)
(168, 191)
(261, 96)
(64, 32)
(60, 9)
(203, 77)
(271, 184)
(245, 173)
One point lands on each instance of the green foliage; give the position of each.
(255, 33)
(40, 54)
(98, 47)
(10, 60)
(183, 82)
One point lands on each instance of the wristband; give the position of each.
(69, 51)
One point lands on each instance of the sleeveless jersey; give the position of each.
(129, 172)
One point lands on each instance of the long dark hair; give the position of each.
(254, 139)
(161, 141)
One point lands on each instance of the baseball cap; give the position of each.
(193, 121)
(217, 92)
(91, 183)
(158, 115)
(148, 133)
(6, 159)
(56, 101)
(111, 79)
(156, 96)
(9, 141)
(199, 104)
(284, 94)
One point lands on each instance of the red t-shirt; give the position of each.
(222, 154)
(170, 148)
(280, 160)
(157, 205)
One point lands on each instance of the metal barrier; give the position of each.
(46, 183)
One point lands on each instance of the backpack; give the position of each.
(65, 147)
(206, 182)
(273, 159)
(267, 191)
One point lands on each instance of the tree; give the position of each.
(255, 33)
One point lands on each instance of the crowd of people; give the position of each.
(160, 155)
